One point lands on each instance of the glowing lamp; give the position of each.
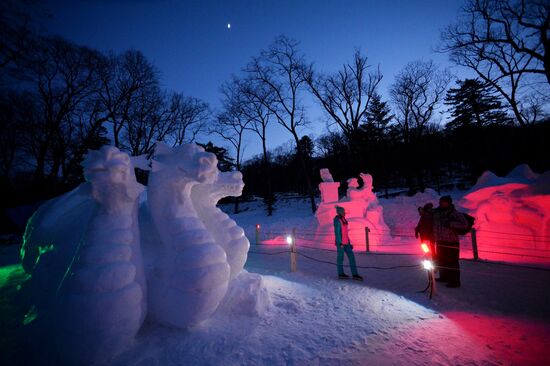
(257, 226)
(289, 239)
(427, 264)
(425, 248)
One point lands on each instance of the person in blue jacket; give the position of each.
(343, 245)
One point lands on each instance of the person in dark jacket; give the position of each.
(343, 245)
(446, 221)
(424, 228)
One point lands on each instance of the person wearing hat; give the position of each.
(446, 222)
(343, 245)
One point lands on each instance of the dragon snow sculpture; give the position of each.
(88, 291)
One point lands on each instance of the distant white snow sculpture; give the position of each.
(87, 284)
(325, 175)
(362, 210)
(87, 294)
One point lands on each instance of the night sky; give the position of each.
(195, 52)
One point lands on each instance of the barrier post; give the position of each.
(474, 243)
(367, 239)
(257, 234)
(293, 255)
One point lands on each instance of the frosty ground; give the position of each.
(500, 316)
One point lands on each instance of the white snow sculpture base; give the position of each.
(246, 296)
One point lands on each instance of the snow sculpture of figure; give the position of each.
(224, 230)
(328, 187)
(369, 195)
(325, 175)
(363, 210)
(191, 274)
(82, 250)
(364, 193)
(353, 188)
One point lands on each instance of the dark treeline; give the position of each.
(59, 99)
(440, 159)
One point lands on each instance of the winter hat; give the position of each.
(446, 198)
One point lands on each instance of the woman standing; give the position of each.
(343, 245)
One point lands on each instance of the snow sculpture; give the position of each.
(512, 213)
(328, 188)
(87, 294)
(326, 176)
(224, 230)
(362, 210)
(191, 275)
(87, 286)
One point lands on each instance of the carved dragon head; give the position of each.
(111, 174)
(186, 162)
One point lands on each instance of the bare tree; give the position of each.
(254, 99)
(232, 123)
(503, 42)
(17, 33)
(147, 123)
(279, 72)
(188, 116)
(61, 76)
(127, 79)
(416, 93)
(346, 95)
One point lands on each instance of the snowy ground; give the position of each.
(501, 315)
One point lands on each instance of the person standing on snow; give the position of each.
(424, 228)
(343, 245)
(446, 222)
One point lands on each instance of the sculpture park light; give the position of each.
(428, 265)
(425, 248)
(289, 239)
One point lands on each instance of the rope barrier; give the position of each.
(362, 267)
(515, 234)
(402, 266)
(311, 235)
(481, 250)
(266, 253)
(514, 254)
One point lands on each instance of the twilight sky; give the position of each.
(195, 51)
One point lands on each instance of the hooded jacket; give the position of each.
(446, 223)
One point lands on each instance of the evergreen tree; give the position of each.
(307, 146)
(474, 104)
(225, 162)
(378, 117)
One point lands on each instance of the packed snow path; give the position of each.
(501, 316)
